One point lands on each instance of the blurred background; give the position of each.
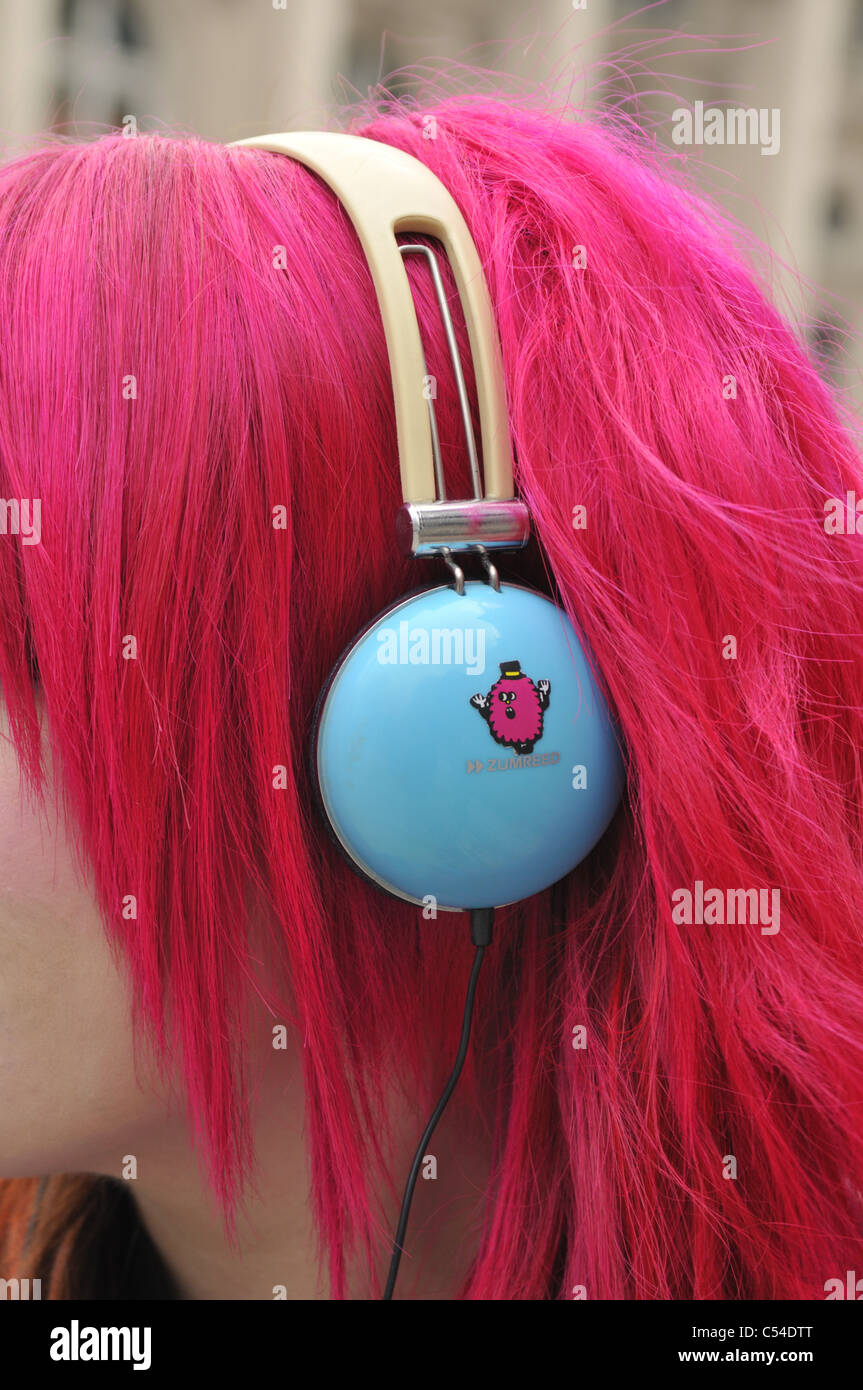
(229, 68)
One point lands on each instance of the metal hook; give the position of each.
(490, 569)
(457, 571)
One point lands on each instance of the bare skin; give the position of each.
(73, 1100)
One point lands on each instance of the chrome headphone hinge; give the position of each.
(427, 528)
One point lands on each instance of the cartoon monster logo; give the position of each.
(513, 708)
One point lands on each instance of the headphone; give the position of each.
(463, 754)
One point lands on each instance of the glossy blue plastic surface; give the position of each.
(434, 801)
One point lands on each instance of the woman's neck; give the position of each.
(275, 1255)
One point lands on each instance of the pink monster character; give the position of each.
(513, 708)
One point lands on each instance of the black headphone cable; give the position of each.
(481, 922)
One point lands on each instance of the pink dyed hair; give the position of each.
(259, 387)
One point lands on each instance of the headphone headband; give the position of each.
(386, 191)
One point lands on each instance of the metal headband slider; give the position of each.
(448, 526)
(428, 528)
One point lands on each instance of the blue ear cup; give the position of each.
(464, 755)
